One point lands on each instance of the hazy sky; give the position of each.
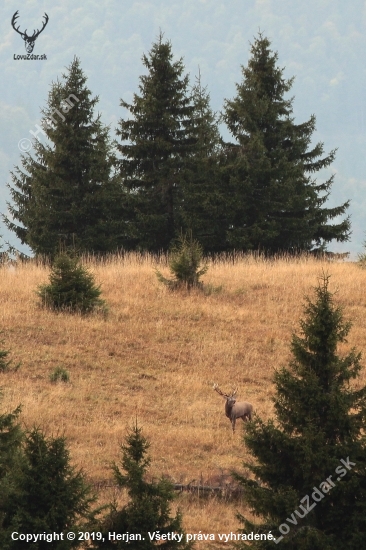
(320, 42)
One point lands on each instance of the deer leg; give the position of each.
(233, 420)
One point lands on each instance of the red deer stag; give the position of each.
(234, 409)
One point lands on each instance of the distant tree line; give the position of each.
(170, 172)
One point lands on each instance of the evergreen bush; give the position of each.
(4, 363)
(71, 288)
(185, 263)
(59, 374)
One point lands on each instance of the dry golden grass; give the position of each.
(155, 358)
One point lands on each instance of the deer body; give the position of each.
(235, 409)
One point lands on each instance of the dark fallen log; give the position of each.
(225, 491)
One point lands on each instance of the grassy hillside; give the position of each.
(155, 358)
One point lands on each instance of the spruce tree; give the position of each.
(156, 142)
(10, 440)
(312, 460)
(51, 496)
(148, 511)
(274, 202)
(185, 262)
(202, 201)
(67, 192)
(71, 288)
(10, 456)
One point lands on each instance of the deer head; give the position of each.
(28, 40)
(230, 398)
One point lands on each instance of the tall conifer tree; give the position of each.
(275, 204)
(156, 142)
(67, 193)
(202, 204)
(312, 460)
(11, 437)
(51, 497)
(147, 513)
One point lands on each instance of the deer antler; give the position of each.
(234, 391)
(217, 389)
(13, 20)
(232, 394)
(43, 26)
(24, 34)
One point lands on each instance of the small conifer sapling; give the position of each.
(71, 287)
(185, 264)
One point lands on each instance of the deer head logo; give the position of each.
(28, 40)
